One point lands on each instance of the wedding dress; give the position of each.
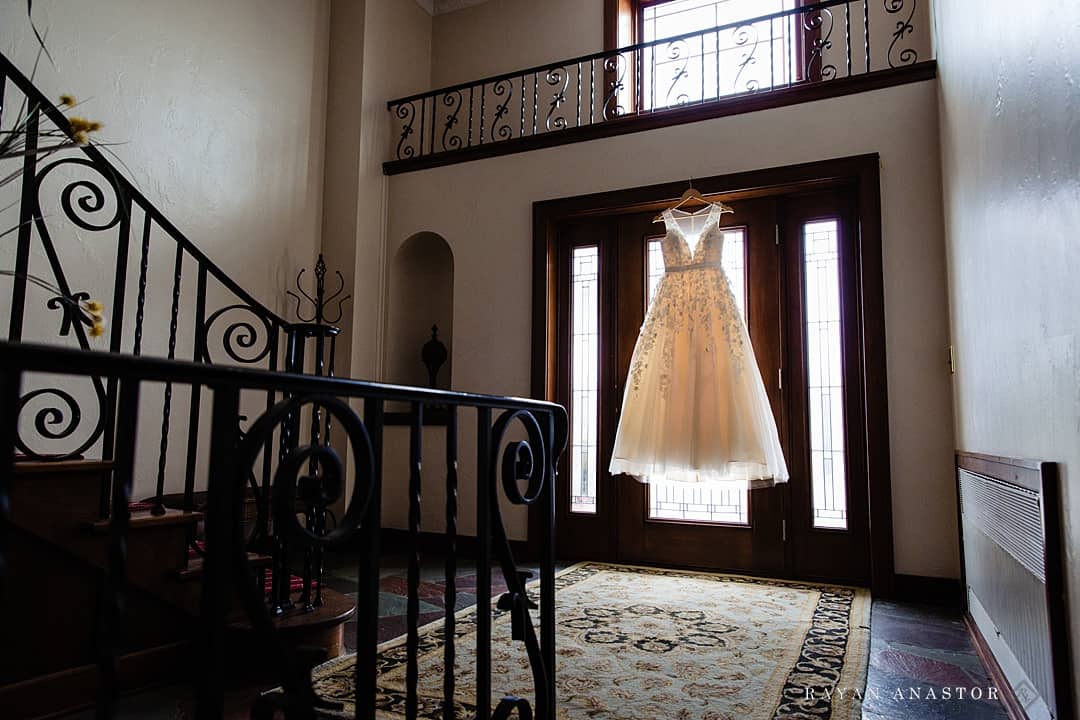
(694, 408)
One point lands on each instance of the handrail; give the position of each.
(70, 361)
(801, 10)
(36, 97)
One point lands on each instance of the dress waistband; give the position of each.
(692, 266)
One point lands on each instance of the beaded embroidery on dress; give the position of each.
(695, 407)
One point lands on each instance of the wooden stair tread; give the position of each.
(194, 569)
(30, 467)
(337, 608)
(146, 518)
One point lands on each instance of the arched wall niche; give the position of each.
(421, 295)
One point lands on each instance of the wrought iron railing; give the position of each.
(816, 43)
(522, 471)
(67, 204)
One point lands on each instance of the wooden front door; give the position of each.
(789, 263)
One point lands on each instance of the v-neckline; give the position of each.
(691, 251)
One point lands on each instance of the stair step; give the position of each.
(67, 467)
(145, 518)
(194, 570)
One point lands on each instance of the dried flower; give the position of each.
(94, 307)
(80, 137)
(96, 330)
(68, 100)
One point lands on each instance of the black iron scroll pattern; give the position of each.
(819, 23)
(906, 56)
(320, 302)
(295, 480)
(406, 112)
(452, 141)
(241, 339)
(522, 461)
(677, 50)
(615, 69)
(746, 38)
(84, 202)
(502, 89)
(559, 80)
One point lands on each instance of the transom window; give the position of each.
(740, 59)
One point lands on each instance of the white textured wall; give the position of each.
(484, 211)
(1010, 119)
(217, 110)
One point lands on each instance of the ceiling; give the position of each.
(441, 7)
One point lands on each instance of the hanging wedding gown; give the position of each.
(695, 408)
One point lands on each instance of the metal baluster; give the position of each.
(536, 95)
(639, 61)
(434, 120)
(116, 335)
(702, 36)
(483, 562)
(10, 387)
(547, 561)
(196, 393)
(412, 611)
(163, 449)
(420, 134)
(140, 302)
(866, 31)
(114, 583)
(3, 86)
(521, 127)
(26, 213)
(217, 587)
(469, 142)
(652, 82)
(367, 598)
(450, 593)
(483, 103)
(792, 29)
(847, 36)
(592, 91)
(579, 94)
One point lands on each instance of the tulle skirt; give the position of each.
(695, 408)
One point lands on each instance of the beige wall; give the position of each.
(1010, 105)
(217, 110)
(484, 211)
(500, 36)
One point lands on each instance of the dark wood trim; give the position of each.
(614, 12)
(862, 170)
(782, 97)
(946, 592)
(1005, 692)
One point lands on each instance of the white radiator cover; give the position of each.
(1005, 577)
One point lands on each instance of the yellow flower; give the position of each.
(68, 100)
(97, 330)
(80, 137)
(78, 124)
(94, 126)
(94, 306)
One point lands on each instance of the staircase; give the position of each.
(221, 581)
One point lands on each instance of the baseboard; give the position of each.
(74, 689)
(395, 540)
(1005, 691)
(946, 592)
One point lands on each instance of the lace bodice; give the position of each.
(676, 247)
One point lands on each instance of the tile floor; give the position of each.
(918, 652)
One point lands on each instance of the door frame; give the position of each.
(862, 172)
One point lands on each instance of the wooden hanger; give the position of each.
(692, 194)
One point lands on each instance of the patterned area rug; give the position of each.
(638, 643)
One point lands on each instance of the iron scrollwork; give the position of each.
(452, 141)
(558, 78)
(746, 38)
(615, 69)
(406, 112)
(239, 337)
(906, 56)
(820, 23)
(525, 461)
(677, 51)
(60, 421)
(502, 88)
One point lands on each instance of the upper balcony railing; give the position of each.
(816, 50)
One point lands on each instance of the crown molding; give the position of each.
(442, 7)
